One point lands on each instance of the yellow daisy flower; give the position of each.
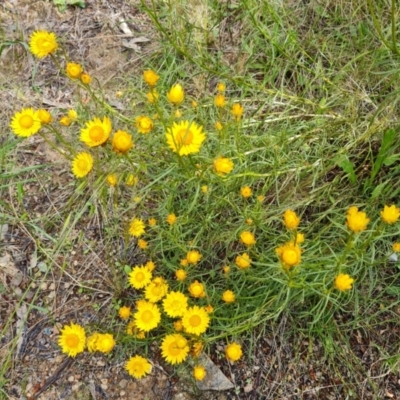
(144, 124)
(152, 222)
(357, 221)
(73, 70)
(152, 96)
(220, 100)
(223, 165)
(193, 257)
(180, 274)
(237, 111)
(185, 137)
(86, 78)
(218, 126)
(43, 43)
(178, 325)
(142, 244)
(136, 227)
(105, 343)
(122, 142)
(221, 87)
(150, 266)
(112, 179)
(138, 367)
(299, 238)
(343, 282)
(91, 342)
(233, 351)
(131, 180)
(396, 247)
(96, 132)
(139, 277)
(247, 238)
(289, 254)
(175, 304)
(171, 219)
(196, 289)
(150, 77)
(124, 312)
(65, 121)
(44, 116)
(199, 372)
(147, 316)
(174, 348)
(133, 330)
(72, 339)
(82, 164)
(156, 290)
(72, 114)
(290, 219)
(243, 261)
(246, 191)
(176, 94)
(228, 296)
(391, 214)
(26, 122)
(195, 320)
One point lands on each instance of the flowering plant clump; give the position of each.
(209, 244)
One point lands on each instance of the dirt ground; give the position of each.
(37, 302)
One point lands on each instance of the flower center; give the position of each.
(156, 290)
(82, 164)
(176, 305)
(72, 340)
(96, 133)
(140, 276)
(197, 289)
(145, 123)
(184, 137)
(289, 257)
(44, 43)
(174, 349)
(195, 320)
(147, 316)
(26, 121)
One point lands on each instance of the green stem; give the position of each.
(394, 28)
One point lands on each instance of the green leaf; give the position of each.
(386, 145)
(348, 167)
(378, 190)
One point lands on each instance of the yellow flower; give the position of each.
(260, 198)
(299, 238)
(122, 142)
(171, 219)
(144, 124)
(133, 330)
(152, 222)
(175, 304)
(220, 100)
(137, 199)
(105, 342)
(176, 94)
(96, 132)
(343, 282)
(396, 247)
(228, 296)
(246, 191)
(223, 165)
(43, 43)
(26, 122)
(150, 266)
(209, 309)
(131, 180)
(180, 274)
(150, 77)
(73, 115)
(112, 179)
(243, 261)
(199, 372)
(391, 214)
(204, 189)
(65, 121)
(178, 325)
(142, 244)
(72, 339)
(195, 320)
(156, 290)
(357, 221)
(197, 348)
(289, 254)
(194, 103)
(124, 312)
(138, 367)
(237, 111)
(290, 219)
(174, 348)
(73, 70)
(139, 277)
(91, 342)
(249, 221)
(178, 113)
(221, 87)
(147, 316)
(219, 126)
(82, 164)
(86, 78)
(152, 96)
(44, 116)
(184, 262)
(247, 238)
(185, 137)
(226, 269)
(196, 289)
(233, 351)
(136, 227)
(193, 257)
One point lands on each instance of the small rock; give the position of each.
(104, 386)
(123, 383)
(71, 378)
(76, 386)
(248, 388)
(52, 286)
(122, 393)
(101, 363)
(51, 295)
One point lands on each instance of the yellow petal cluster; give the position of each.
(138, 367)
(343, 282)
(357, 221)
(223, 165)
(390, 214)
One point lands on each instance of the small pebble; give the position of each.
(104, 386)
(71, 378)
(52, 286)
(122, 393)
(123, 383)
